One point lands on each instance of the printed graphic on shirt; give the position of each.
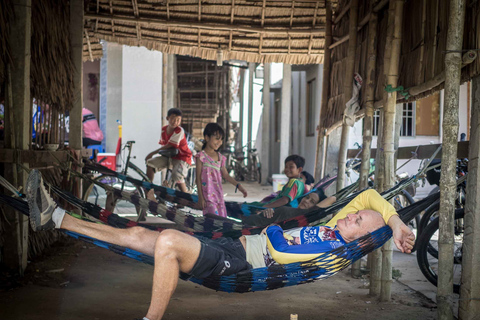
(317, 234)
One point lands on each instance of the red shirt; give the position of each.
(177, 140)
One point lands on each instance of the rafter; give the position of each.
(208, 25)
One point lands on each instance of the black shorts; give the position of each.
(220, 257)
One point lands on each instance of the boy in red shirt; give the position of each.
(173, 136)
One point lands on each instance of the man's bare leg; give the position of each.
(174, 252)
(136, 238)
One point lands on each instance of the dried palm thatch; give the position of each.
(423, 50)
(51, 71)
(51, 65)
(6, 14)
(288, 31)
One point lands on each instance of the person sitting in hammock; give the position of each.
(175, 251)
(314, 199)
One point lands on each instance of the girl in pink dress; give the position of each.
(210, 171)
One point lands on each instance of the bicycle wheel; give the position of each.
(428, 263)
(402, 200)
(106, 199)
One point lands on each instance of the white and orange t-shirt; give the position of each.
(178, 140)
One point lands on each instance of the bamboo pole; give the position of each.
(347, 91)
(453, 60)
(469, 306)
(389, 137)
(369, 110)
(320, 155)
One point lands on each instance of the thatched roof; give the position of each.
(422, 50)
(288, 31)
(51, 71)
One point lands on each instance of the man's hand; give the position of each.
(267, 213)
(402, 235)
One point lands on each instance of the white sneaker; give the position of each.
(40, 203)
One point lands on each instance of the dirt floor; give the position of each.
(74, 280)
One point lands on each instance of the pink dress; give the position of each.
(212, 184)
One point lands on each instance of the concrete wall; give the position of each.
(299, 143)
(142, 100)
(111, 94)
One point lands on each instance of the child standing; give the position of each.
(210, 171)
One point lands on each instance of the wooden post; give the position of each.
(320, 155)
(285, 112)
(389, 139)
(376, 256)
(164, 88)
(453, 62)
(251, 73)
(369, 110)
(347, 91)
(469, 306)
(76, 40)
(18, 107)
(265, 156)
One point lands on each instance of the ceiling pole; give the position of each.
(347, 91)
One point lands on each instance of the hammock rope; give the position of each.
(269, 278)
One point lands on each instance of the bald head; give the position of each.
(356, 225)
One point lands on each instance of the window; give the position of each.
(407, 128)
(311, 88)
(408, 120)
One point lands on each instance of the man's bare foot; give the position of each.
(151, 195)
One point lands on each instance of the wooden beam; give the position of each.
(321, 136)
(344, 12)
(313, 25)
(18, 106)
(347, 89)
(137, 15)
(469, 306)
(88, 45)
(346, 37)
(207, 25)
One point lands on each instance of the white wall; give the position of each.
(112, 67)
(142, 100)
(309, 148)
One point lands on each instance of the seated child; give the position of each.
(294, 187)
(308, 180)
(173, 136)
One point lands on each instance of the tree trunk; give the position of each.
(469, 307)
(453, 61)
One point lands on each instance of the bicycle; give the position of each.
(107, 199)
(428, 240)
(236, 167)
(189, 179)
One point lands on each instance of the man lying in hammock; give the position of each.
(311, 200)
(176, 252)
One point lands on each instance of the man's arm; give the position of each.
(369, 199)
(284, 253)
